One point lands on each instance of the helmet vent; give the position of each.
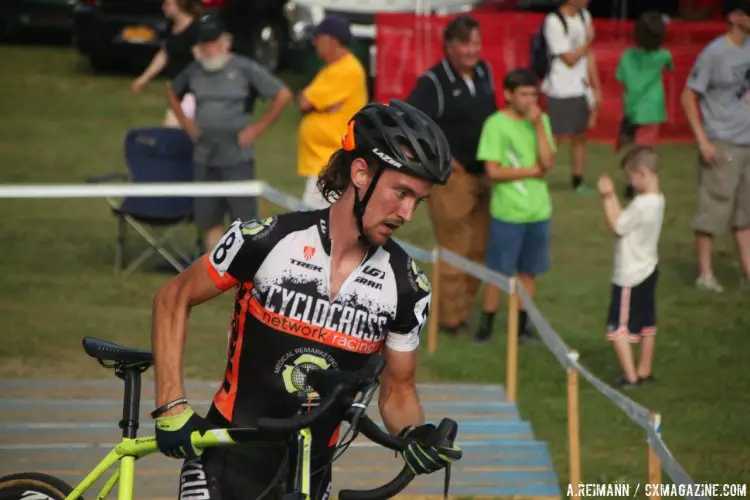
(428, 151)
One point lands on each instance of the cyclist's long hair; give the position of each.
(336, 176)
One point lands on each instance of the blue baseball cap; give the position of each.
(336, 26)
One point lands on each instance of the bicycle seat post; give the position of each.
(131, 375)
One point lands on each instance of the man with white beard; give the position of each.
(225, 86)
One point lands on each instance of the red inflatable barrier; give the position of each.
(408, 44)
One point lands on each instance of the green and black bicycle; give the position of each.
(348, 392)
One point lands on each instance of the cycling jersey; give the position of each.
(285, 323)
(284, 318)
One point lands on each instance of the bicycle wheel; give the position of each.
(33, 486)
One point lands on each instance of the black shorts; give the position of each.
(632, 310)
(568, 116)
(245, 472)
(242, 473)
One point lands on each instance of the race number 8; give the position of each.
(226, 250)
(224, 246)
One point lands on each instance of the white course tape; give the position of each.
(103, 190)
(552, 339)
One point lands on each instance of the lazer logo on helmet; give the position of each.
(386, 158)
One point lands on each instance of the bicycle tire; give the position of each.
(33, 485)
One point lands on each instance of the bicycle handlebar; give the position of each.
(445, 435)
(332, 385)
(335, 386)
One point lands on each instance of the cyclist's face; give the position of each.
(392, 204)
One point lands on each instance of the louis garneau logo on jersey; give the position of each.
(320, 317)
(371, 277)
(386, 158)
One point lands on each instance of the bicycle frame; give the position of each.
(131, 449)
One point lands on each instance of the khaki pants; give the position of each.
(724, 192)
(460, 216)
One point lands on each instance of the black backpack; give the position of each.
(541, 59)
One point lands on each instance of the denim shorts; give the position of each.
(519, 248)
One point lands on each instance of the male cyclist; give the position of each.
(327, 288)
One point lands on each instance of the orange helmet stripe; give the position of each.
(347, 142)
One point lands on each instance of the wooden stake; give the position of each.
(432, 326)
(512, 373)
(263, 209)
(654, 464)
(574, 428)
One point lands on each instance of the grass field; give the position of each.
(61, 124)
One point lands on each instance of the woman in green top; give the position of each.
(640, 71)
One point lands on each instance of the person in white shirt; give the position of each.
(572, 85)
(632, 309)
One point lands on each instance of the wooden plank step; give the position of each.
(501, 457)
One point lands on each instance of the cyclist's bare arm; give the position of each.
(171, 309)
(398, 401)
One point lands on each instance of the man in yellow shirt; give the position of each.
(336, 93)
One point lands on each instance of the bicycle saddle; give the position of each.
(107, 351)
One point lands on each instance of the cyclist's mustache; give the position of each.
(394, 223)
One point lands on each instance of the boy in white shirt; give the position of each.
(632, 310)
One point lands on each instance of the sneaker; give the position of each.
(455, 331)
(648, 379)
(482, 337)
(708, 283)
(623, 383)
(526, 337)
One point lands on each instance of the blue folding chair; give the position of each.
(153, 154)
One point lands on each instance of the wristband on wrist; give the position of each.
(165, 408)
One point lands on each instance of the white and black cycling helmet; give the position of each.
(402, 138)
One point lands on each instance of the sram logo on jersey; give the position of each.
(386, 158)
(373, 273)
(335, 324)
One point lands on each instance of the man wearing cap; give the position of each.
(716, 101)
(336, 93)
(225, 86)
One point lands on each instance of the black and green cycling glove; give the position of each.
(173, 434)
(423, 457)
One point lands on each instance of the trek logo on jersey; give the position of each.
(306, 265)
(386, 158)
(323, 318)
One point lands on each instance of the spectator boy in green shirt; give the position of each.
(517, 148)
(640, 71)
